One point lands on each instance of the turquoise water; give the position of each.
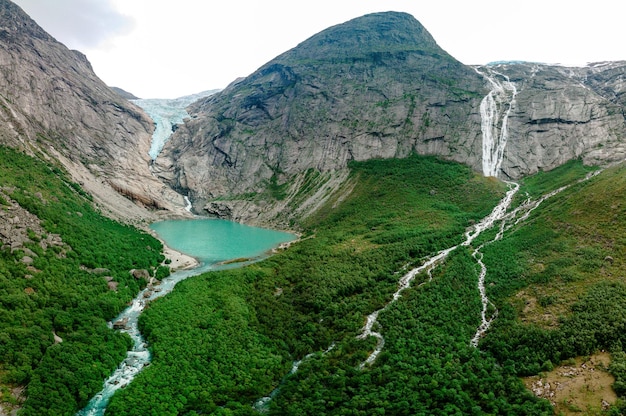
(212, 240)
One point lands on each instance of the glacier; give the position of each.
(166, 114)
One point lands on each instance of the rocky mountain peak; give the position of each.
(377, 86)
(16, 24)
(53, 104)
(365, 37)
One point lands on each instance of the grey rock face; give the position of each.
(380, 87)
(271, 147)
(52, 102)
(564, 113)
(374, 87)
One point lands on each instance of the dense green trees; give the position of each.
(566, 255)
(311, 301)
(60, 293)
(427, 365)
(317, 294)
(222, 340)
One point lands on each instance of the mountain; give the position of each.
(322, 138)
(54, 106)
(563, 113)
(377, 86)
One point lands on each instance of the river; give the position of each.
(213, 242)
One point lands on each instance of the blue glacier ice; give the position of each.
(167, 113)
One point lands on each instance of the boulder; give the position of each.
(140, 274)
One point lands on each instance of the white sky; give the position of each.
(171, 48)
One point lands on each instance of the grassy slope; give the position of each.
(224, 339)
(58, 293)
(318, 292)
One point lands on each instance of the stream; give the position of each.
(212, 242)
(494, 110)
(139, 356)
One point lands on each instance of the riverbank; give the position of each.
(178, 260)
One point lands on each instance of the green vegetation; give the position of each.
(234, 334)
(559, 278)
(617, 368)
(222, 340)
(64, 290)
(545, 182)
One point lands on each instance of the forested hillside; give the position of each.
(224, 340)
(235, 334)
(64, 272)
(329, 139)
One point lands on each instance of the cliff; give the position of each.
(562, 113)
(375, 87)
(274, 146)
(53, 105)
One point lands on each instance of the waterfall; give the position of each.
(494, 111)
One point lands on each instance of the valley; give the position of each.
(460, 234)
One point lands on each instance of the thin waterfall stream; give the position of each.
(494, 114)
(494, 109)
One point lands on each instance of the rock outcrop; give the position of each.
(563, 113)
(273, 146)
(52, 105)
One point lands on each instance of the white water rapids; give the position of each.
(497, 214)
(139, 356)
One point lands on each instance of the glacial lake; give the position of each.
(213, 240)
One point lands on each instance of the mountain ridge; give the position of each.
(318, 109)
(287, 146)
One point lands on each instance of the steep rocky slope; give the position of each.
(378, 87)
(53, 105)
(276, 145)
(563, 113)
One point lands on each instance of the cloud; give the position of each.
(79, 24)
